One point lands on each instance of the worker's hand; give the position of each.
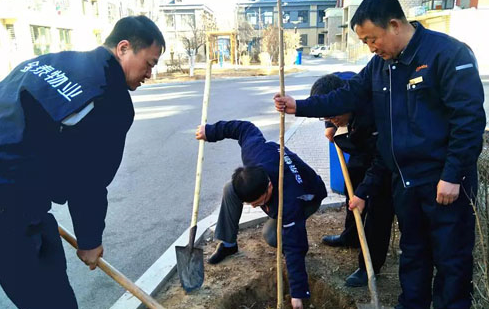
(341, 120)
(284, 104)
(200, 133)
(90, 257)
(296, 303)
(357, 202)
(329, 133)
(446, 192)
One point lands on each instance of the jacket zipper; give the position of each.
(392, 133)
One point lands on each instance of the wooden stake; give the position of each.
(280, 289)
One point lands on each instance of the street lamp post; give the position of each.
(295, 23)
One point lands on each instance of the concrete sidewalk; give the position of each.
(306, 138)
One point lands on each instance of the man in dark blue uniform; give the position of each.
(63, 124)
(257, 184)
(427, 99)
(358, 140)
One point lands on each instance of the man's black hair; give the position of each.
(250, 182)
(379, 12)
(140, 31)
(326, 84)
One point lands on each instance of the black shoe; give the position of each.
(357, 279)
(221, 253)
(334, 241)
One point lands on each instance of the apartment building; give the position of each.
(184, 24)
(34, 27)
(303, 17)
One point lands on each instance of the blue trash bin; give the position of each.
(336, 176)
(298, 60)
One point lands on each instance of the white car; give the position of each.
(318, 52)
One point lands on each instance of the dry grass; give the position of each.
(218, 72)
(481, 249)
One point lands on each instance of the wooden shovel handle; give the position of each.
(361, 231)
(115, 274)
(200, 157)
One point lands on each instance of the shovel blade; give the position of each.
(190, 267)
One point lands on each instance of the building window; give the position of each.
(268, 18)
(41, 39)
(11, 36)
(187, 20)
(85, 7)
(98, 36)
(303, 39)
(286, 17)
(251, 18)
(94, 7)
(321, 14)
(112, 12)
(90, 7)
(321, 38)
(65, 39)
(303, 17)
(438, 4)
(170, 21)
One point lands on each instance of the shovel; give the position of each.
(372, 286)
(115, 274)
(190, 260)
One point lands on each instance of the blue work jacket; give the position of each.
(44, 158)
(427, 106)
(301, 185)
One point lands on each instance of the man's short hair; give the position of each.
(140, 31)
(325, 84)
(379, 12)
(250, 182)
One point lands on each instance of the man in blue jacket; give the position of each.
(427, 99)
(63, 124)
(257, 184)
(359, 142)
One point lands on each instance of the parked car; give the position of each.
(315, 47)
(318, 52)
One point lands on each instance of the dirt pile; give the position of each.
(248, 279)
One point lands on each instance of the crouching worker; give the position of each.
(256, 184)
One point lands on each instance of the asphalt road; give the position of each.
(150, 199)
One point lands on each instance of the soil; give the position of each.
(247, 280)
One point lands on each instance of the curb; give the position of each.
(158, 274)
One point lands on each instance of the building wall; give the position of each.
(87, 30)
(312, 28)
(334, 19)
(407, 4)
(174, 33)
(463, 25)
(334, 31)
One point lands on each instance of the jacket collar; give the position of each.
(407, 55)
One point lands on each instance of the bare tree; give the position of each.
(270, 41)
(194, 38)
(245, 34)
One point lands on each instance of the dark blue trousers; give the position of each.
(435, 236)
(32, 260)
